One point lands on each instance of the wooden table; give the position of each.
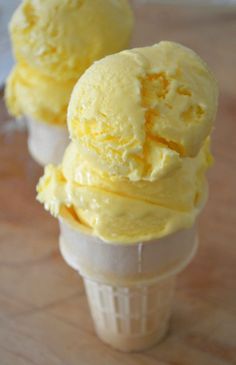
(44, 317)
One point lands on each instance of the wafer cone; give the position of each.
(129, 287)
(46, 142)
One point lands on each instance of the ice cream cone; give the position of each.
(46, 142)
(129, 287)
(140, 124)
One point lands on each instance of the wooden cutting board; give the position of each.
(44, 317)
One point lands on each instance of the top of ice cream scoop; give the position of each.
(62, 38)
(137, 113)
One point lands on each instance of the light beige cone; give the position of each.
(46, 142)
(129, 287)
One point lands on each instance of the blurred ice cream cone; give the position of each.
(46, 142)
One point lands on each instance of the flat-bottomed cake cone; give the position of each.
(131, 318)
(46, 142)
(129, 287)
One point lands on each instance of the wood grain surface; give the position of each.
(44, 317)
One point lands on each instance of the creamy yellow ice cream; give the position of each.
(34, 94)
(135, 169)
(142, 106)
(124, 211)
(54, 42)
(63, 37)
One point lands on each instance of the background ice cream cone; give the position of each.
(46, 142)
(49, 61)
(129, 287)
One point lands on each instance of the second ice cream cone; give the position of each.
(46, 142)
(52, 50)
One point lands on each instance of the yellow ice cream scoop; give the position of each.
(124, 211)
(136, 114)
(31, 93)
(62, 38)
(135, 169)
